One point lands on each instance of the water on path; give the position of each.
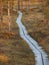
(40, 55)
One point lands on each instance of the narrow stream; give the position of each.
(40, 55)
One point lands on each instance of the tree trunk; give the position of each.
(1, 14)
(18, 4)
(1, 11)
(9, 14)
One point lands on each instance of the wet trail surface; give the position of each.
(40, 55)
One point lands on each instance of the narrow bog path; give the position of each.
(40, 55)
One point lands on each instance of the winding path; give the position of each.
(40, 55)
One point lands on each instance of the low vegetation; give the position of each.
(13, 48)
(37, 24)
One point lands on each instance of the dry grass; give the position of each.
(4, 58)
(15, 50)
(38, 27)
(13, 47)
